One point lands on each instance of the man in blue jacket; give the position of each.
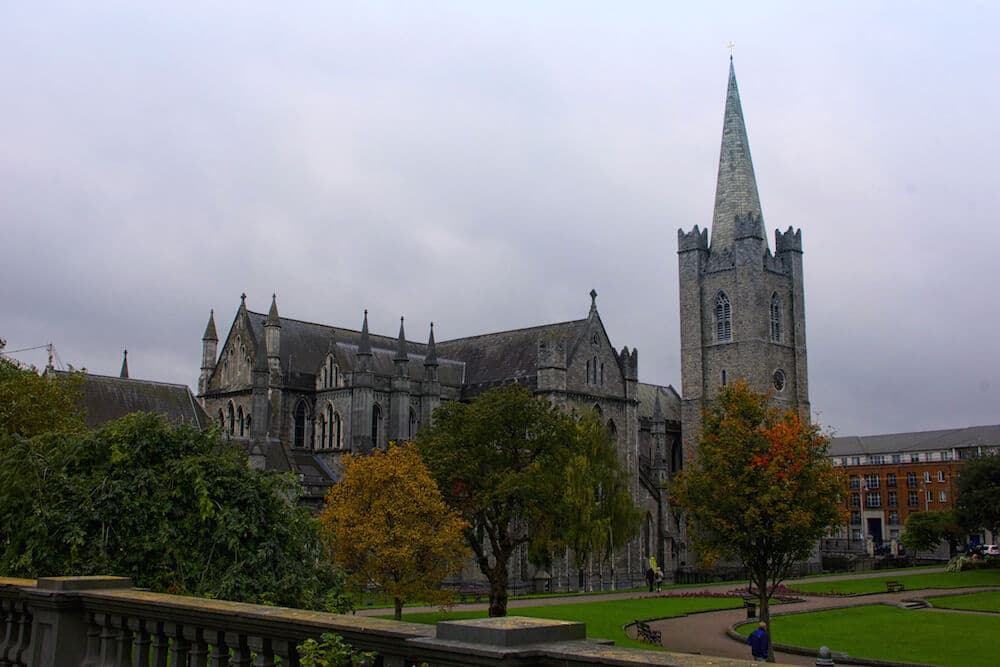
(759, 642)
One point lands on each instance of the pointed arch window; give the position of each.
(594, 368)
(249, 432)
(588, 371)
(328, 420)
(376, 422)
(337, 438)
(222, 420)
(723, 318)
(322, 431)
(299, 425)
(231, 414)
(413, 424)
(239, 418)
(612, 429)
(775, 318)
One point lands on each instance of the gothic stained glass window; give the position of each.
(300, 425)
(723, 318)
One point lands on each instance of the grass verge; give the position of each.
(604, 619)
(912, 582)
(982, 601)
(884, 632)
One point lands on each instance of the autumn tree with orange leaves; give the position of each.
(760, 488)
(387, 525)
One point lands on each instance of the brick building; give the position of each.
(890, 476)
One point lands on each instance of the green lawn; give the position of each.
(604, 619)
(983, 601)
(884, 632)
(911, 581)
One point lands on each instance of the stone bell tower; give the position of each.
(742, 308)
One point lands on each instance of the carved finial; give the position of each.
(731, 46)
(593, 298)
(243, 299)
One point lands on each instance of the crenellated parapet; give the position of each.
(696, 239)
(787, 241)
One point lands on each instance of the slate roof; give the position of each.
(500, 358)
(106, 398)
(670, 401)
(304, 346)
(970, 436)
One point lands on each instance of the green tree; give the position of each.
(760, 489)
(925, 530)
(175, 509)
(600, 512)
(387, 525)
(499, 460)
(977, 494)
(31, 404)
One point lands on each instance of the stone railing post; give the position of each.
(60, 630)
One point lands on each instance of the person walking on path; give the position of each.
(759, 641)
(649, 578)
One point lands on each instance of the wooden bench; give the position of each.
(894, 587)
(644, 633)
(472, 594)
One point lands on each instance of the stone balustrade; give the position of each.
(105, 622)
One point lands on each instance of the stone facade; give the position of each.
(301, 395)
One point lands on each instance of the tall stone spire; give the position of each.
(401, 354)
(364, 345)
(124, 371)
(431, 358)
(210, 333)
(736, 187)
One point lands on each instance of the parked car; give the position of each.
(991, 549)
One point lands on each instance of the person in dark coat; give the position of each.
(759, 642)
(650, 575)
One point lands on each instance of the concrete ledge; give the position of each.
(83, 583)
(510, 631)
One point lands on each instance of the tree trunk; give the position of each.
(498, 589)
(399, 609)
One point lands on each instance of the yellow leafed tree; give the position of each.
(387, 525)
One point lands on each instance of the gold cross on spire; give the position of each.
(731, 46)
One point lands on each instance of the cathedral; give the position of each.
(300, 394)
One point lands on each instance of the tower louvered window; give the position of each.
(775, 318)
(723, 318)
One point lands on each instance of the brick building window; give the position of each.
(943, 496)
(914, 458)
(946, 456)
(878, 459)
(723, 318)
(911, 479)
(775, 318)
(890, 480)
(855, 500)
(871, 481)
(893, 501)
(911, 499)
(929, 496)
(927, 476)
(896, 458)
(855, 482)
(894, 518)
(873, 500)
(855, 517)
(940, 475)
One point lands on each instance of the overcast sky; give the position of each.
(485, 164)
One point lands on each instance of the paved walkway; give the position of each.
(705, 633)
